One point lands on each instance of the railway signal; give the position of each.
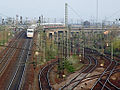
(21, 20)
(2, 21)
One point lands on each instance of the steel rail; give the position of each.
(24, 71)
(102, 75)
(109, 76)
(49, 66)
(96, 63)
(76, 75)
(10, 48)
(17, 68)
(11, 51)
(118, 88)
(80, 73)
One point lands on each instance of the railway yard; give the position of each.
(64, 61)
(60, 45)
(45, 54)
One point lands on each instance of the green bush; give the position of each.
(116, 45)
(68, 66)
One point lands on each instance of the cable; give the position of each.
(3, 15)
(74, 11)
(113, 14)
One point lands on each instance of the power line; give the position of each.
(97, 12)
(113, 14)
(3, 15)
(74, 11)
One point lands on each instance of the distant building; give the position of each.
(86, 24)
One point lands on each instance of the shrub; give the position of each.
(68, 66)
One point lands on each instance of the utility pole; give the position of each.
(67, 29)
(13, 21)
(83, 38)
(44, 37)
(111, 50)
(96, 13)
(39, 21)
(59, 58)
(111, 47)
(16, 19)
(66, 15)
(41, 18)
(2, 21)
(55, 20)
(20, 19)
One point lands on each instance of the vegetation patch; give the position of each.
(116, 47)
(69, 66)
(73, 63)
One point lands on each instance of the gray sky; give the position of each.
(55, 8)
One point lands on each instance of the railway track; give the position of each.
(8, 60)
(44, 82)
(8, 53)
(113, 80)
(93, 77)
(17, 78)
(82, 75)
(13, 63)
(102, 82)
(107, 84)
(25, 66)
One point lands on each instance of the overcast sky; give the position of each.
(55, 8)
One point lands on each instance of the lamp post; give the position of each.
(111, 46)
(111, 51)
(83, 40)
(96, 12)
(35, 66)
(44, 37)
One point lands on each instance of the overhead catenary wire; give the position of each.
(113, 14)
(1, 14)
(74, 11)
